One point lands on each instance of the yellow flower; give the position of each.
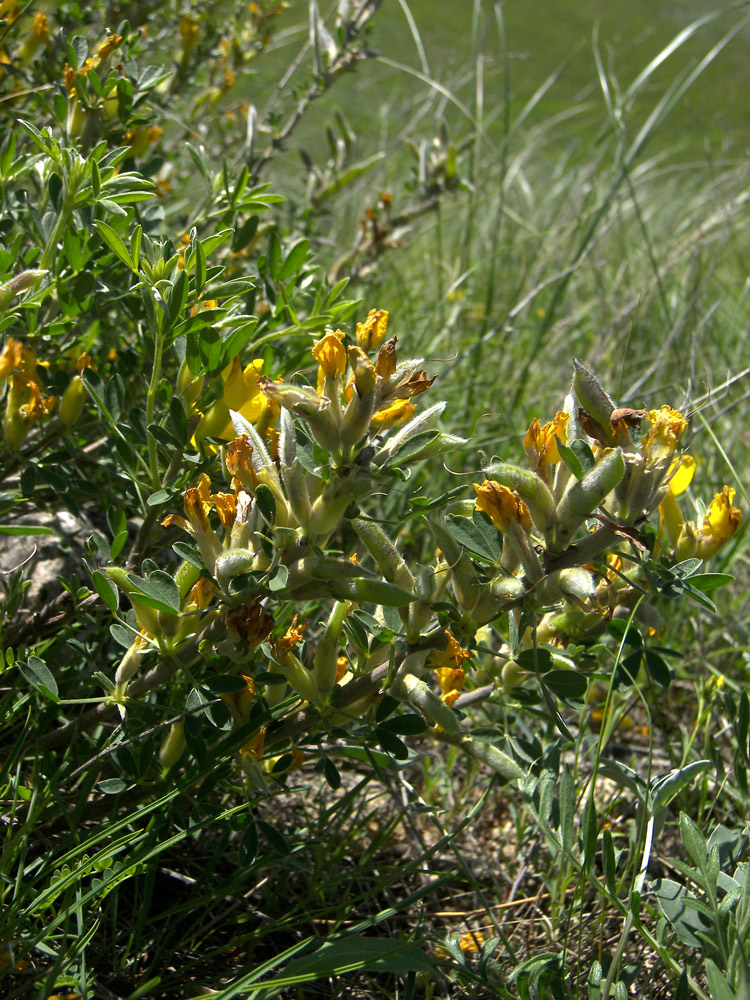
(453, 656)
(254, 746)
(721, 522)
(330, 354)
(197, 508)
(189, 33)
(10, 358)
(201, 594)
(39, 36)
(198, 504)
(106, 48)
(241, 393)
(140, 138)
(470, 942)
(540, 443)
(397, 412)
(501, 505)
(364, 376)
(239, 462)
(240, 702)
(241, 390)
(293, 636)
(371, 333)
(226, 508)
(451, 683)
(667, 427)
(37, 408)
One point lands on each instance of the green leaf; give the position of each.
(106, 590)
(24, 529)
(658, 669)
(177, 298)
(391, 744)
(405, 725)
(135, 246)
(533, 659)
(710, 581)
(664, 788)
(609, 863)
(248, 846)
(569, 685)
(276, 841)
(274, 256)
(567, 800)
(571, 459)
(160, 587)
(624, 776)
(277, 580)
(111, 786)
(95, 386)
(362, 755)
(200, 266)
(357, 953)
(266, 502)
(225, 683)
(158, 498)
(674, 902)
(96, 177)
(115, 244)
(694, 841)
(189, 553)
(479, 537)
(720, 988)
(114, 397)
(204, 352)
(686, 568)
(294, 260)
(38, 674)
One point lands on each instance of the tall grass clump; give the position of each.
(289, 706)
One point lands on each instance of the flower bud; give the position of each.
(512, 674)
(231, 564)
(72, 402)
(173, 746)
(130, 661)
(507, 588)
(26, 279)
(189, 386)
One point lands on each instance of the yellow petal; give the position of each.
(501, 505)
(681, 472)
(330, 354)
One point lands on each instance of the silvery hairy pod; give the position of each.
(584, 495)
(418, 693)
(385, 553)
(493, 757)
(591, 396)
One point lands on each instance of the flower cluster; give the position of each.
(560, 544)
